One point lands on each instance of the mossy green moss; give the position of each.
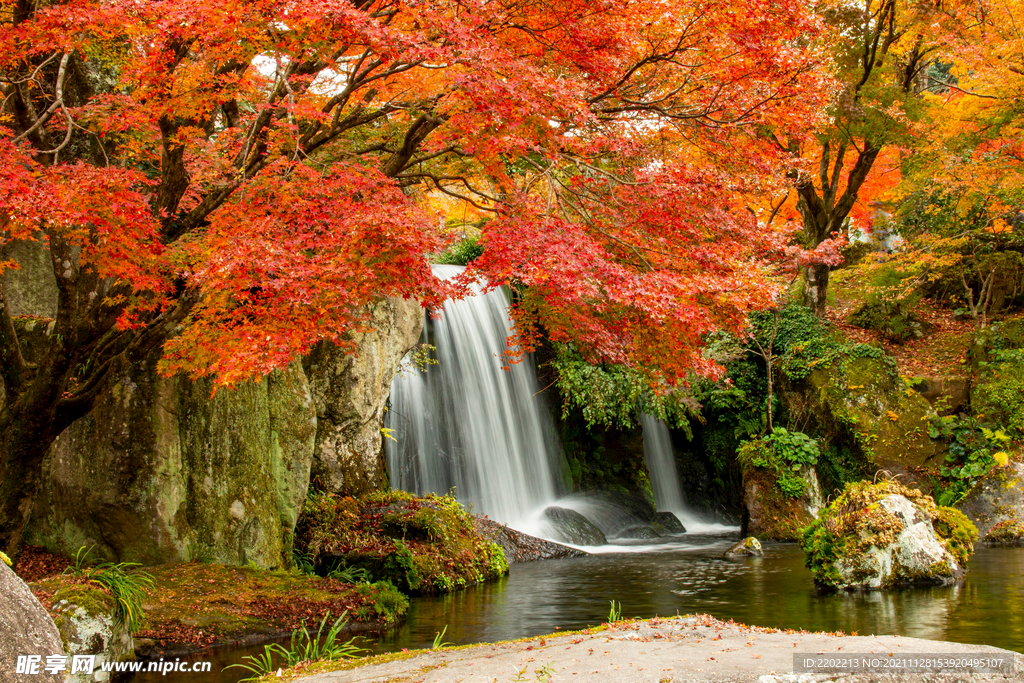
(855, 524)
(424, 544)
(201, 604)
(1008, 532)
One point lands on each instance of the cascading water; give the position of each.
(467, 423)
(661, 465)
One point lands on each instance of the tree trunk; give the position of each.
(816, 287)
(24, 441)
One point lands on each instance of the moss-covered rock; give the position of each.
(196, 604)
(424, 544)
(879, 536)
(998, 498)
(85, 614)
(857, 401)
(770, 513)
(1008, 532)
(161, 471)
(781, 494)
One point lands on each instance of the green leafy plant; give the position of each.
(439, 639)
(974, 450)
(460, 253)
(615, 613)
(784, 452)
(351, 575)
(304, 646)
(127, 586)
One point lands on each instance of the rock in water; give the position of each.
(640, 532)
(25, 629)
(520, 547)
(748, 547)
(878, 536)
(996, 505)
(669, 523)
(572, 527)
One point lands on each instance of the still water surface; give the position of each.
(693, 577)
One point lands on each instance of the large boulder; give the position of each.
(350, 392)
(996, 504)
(25, 629)
(84, 616)
(884, 535)
(768, 512)
(572, 527)
(858, 401)
(161, 471)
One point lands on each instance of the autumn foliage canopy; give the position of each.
(259, 172)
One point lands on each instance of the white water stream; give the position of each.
(467, 423)
(661, 465)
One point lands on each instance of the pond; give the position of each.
(691, 576)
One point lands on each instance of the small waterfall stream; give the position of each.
(668, 493)
(468, 424)
(661, 465)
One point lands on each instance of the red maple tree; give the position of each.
(237, 181)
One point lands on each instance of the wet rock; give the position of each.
(748, 547)
(25, 629)
(572, 527)
(877, 536)
(668, 523)
(640, 532)
(520, 547)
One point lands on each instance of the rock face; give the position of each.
(997, 501)
(574, 528)
(769, 513)
(748, 547)
(160, 471)
(25, 629)
(350, 393)
(877, 536)
(862, 403)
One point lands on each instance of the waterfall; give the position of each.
(668, 493)
(661, 465)
(467, 423)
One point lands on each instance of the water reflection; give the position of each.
(776, 590)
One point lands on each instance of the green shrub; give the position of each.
(785, 453)
(460, 253)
